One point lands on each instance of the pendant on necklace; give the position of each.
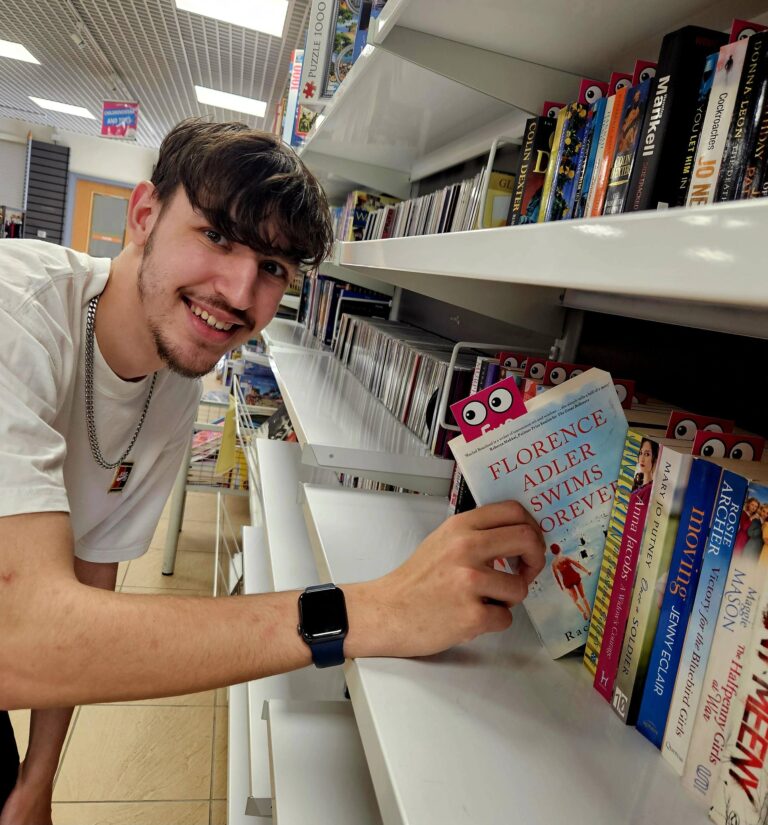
(121, 477)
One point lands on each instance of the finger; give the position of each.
(506, 589)
(496, 515)
(520, 541)
(497, 619)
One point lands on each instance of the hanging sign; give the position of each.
(119, 119)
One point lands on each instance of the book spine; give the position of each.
(679, 594)
(742, 123)
(698, 639)
(609, 151)
(549, 177)
(616, 524)
(754, 171)
(600, 151)
(587, 159)
(621, 594)
(722, 100)
(669, 482)
(724, 668)
(523, 169)
(739, 795)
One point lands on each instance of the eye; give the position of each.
(537, 371)
(621, 84)
(576, 372)
(552, 111)
(593, 93)
(713, 448)
(714, 428)
(647, 73)
(742, 451)
(511, 363)
(621, 391)
(215, 237)
(474, 413)
(686, 429)
(745, 33)
(500, 400)
(275, 269)
(557, 376)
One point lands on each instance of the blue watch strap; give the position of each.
(328, 653)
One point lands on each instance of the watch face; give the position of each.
(323, 614)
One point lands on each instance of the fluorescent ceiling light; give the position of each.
(234, 102)
(16, 51)
(62, 107)
(262, 15)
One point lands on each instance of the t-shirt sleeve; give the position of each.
(32, 452)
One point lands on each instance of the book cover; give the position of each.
(666, 501)
(587, 155)
(735, 618)
(605, 164)
(753, 185)
(669, 116)
(552, 165)
(601, 141)
(722, 100)
(342, 45)
(627, 142)
(701, 628)
(497, 202)
(560, 460)
(616, 522)
(679, 594)
(746, 118)
(629, 542)
(532, 167)
(568, 150)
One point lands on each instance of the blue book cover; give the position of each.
(679, 594)
(701, 630)
(587, 159)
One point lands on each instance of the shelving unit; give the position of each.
(491, 731)
(318, 767)
(340, 425)
(288, 334)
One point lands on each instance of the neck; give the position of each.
(124, 340)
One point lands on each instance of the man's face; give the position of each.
(202, 294)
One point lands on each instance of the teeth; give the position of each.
(211, 320)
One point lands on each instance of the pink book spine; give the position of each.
(621, 594)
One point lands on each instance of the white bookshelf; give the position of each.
(340, 425)
(318, 768)
(238, 760)
(491, 731)
(284, 333)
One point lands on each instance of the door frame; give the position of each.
(69, 211)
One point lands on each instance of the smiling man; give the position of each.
(97, 400)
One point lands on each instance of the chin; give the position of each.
(187, 365)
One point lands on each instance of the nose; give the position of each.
(237, 281)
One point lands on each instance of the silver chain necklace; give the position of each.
(90, 418)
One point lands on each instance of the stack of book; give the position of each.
(351, 223)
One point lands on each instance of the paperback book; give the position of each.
(561, 460)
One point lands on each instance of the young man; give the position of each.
(96, 406)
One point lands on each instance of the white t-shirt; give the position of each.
(45, 457)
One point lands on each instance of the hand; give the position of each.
(28, 804)
(440, 596)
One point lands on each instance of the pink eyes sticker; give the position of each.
(488, 409)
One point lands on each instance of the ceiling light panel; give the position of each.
(66, 108)
(16, 51)
(236, 103)
(261, 15)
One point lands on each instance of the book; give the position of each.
(711, 727)
(753, 184)
(622, 585)
(497, 201)
(552, 165)
(560, 460)
(630, 126)
(679, 595)
(746, 117)
(666, 500)
(566, 161)
(616, 523)
(531, 170)
(587, 156)
(722, 100)
(701, 628)
(605, 156)
(669, 117)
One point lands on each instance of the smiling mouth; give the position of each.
(209, 318)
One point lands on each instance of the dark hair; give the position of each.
(654, 448)
(250, 186)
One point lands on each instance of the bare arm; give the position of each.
(167, 645)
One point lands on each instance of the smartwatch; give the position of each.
(323, 623)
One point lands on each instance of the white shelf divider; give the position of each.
(281, 473)
(238, 760)
(319, 773)
(341, 426)
(490, 731)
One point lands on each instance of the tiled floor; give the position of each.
(162, 761)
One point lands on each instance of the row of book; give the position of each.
(692, 132)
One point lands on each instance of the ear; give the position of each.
(143, 212)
